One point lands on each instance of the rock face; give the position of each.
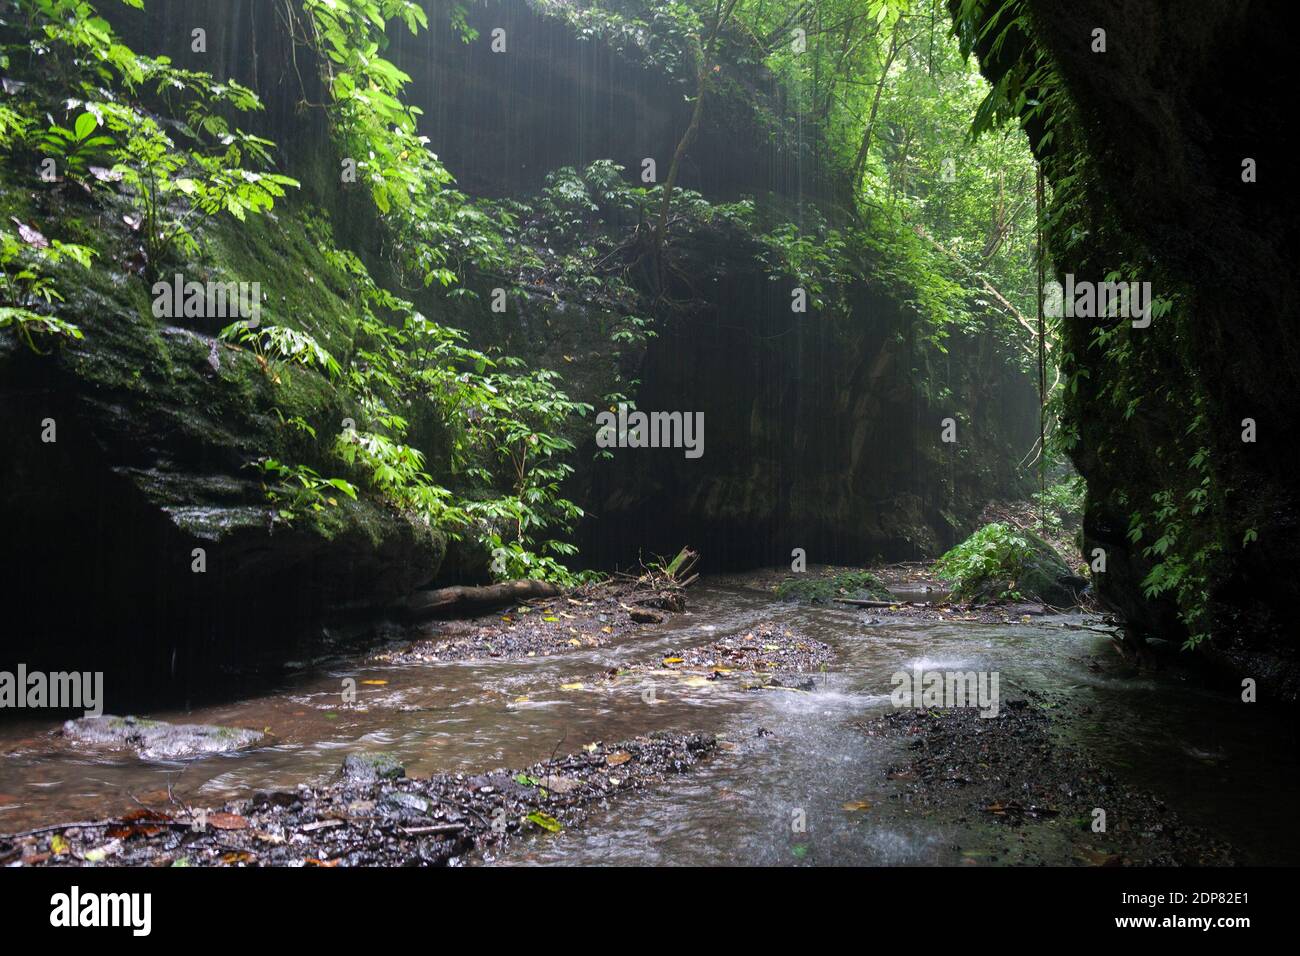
(817, 431)
(1167, 120)
(139, 538)
(156, 739)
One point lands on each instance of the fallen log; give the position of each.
(467, 601)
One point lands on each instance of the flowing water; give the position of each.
(775, 797)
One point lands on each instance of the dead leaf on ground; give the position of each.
(141, 822)
(227, 821)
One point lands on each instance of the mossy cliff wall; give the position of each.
(819, 433)
(1147, 165)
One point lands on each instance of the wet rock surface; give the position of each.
(588, 616)
(156, 739)
(1010, 772)
(371, 767)
(437, 821)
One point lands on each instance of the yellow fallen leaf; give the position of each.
(607, 630)
(577, 685)
(58, 844)
(672, 660)
(575, 642)
(618, 757)
(696, 682)
(857, 805)
(375, 683)
(521, 700)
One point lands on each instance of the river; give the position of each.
(794, 759)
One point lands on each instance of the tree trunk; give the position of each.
(467, 601)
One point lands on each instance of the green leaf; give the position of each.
(545, 822)
(85, 125)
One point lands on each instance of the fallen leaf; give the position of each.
(100, 853)
(855, 805)
(59, 844)
(545, 821)
(618, 757)
(139, 823)
(375, 683)
(227, 821)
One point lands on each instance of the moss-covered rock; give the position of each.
(1000, 562)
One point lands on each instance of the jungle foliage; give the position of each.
(884, 93)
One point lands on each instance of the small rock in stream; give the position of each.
(370, 767)
(156, 739)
